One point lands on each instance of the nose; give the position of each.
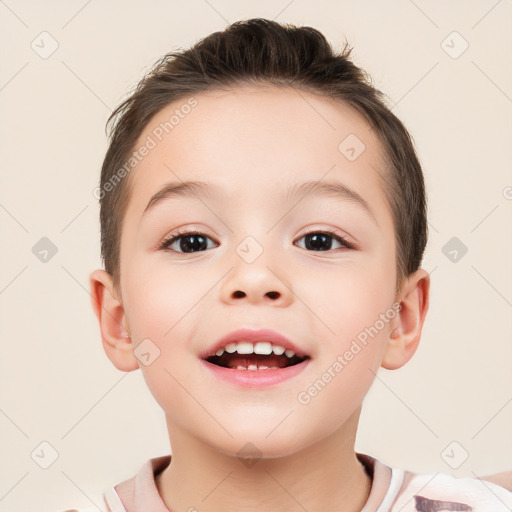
(256, 283)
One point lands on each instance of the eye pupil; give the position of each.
(199, 243)
(317, 241)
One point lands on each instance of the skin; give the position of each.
(254, 142)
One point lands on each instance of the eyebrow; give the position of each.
(197, 189)
(191, 189)
(333, 189)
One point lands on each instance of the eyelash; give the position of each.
(179, 234)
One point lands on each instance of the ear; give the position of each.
(405, 337)
(111, 316)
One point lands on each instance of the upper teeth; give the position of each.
(263, 348)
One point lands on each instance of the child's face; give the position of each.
(253, 145)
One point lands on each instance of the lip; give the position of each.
(255, 378)
(253, 336)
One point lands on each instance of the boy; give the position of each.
(263, 220)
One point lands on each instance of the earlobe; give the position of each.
(405, 336)
(112, 320)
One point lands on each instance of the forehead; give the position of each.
(248, 139)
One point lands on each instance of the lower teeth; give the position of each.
(254, 367)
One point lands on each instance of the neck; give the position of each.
(324, 476)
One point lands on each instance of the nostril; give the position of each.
(238, 294)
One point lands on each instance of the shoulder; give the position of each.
(440, 491)
(503, 479)
(129, 493)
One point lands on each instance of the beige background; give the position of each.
(57, 385)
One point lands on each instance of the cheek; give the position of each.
(159, 304)
(336, 393)
(160, 313)
(346, 300)
(355, 323)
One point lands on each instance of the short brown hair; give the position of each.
(260, 51)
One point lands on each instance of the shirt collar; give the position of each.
(140, 493)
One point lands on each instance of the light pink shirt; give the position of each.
(392, 490)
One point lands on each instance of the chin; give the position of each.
(250, 446)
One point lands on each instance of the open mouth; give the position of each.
(253, 361)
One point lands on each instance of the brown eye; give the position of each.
(187, 242)
(322, 241)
